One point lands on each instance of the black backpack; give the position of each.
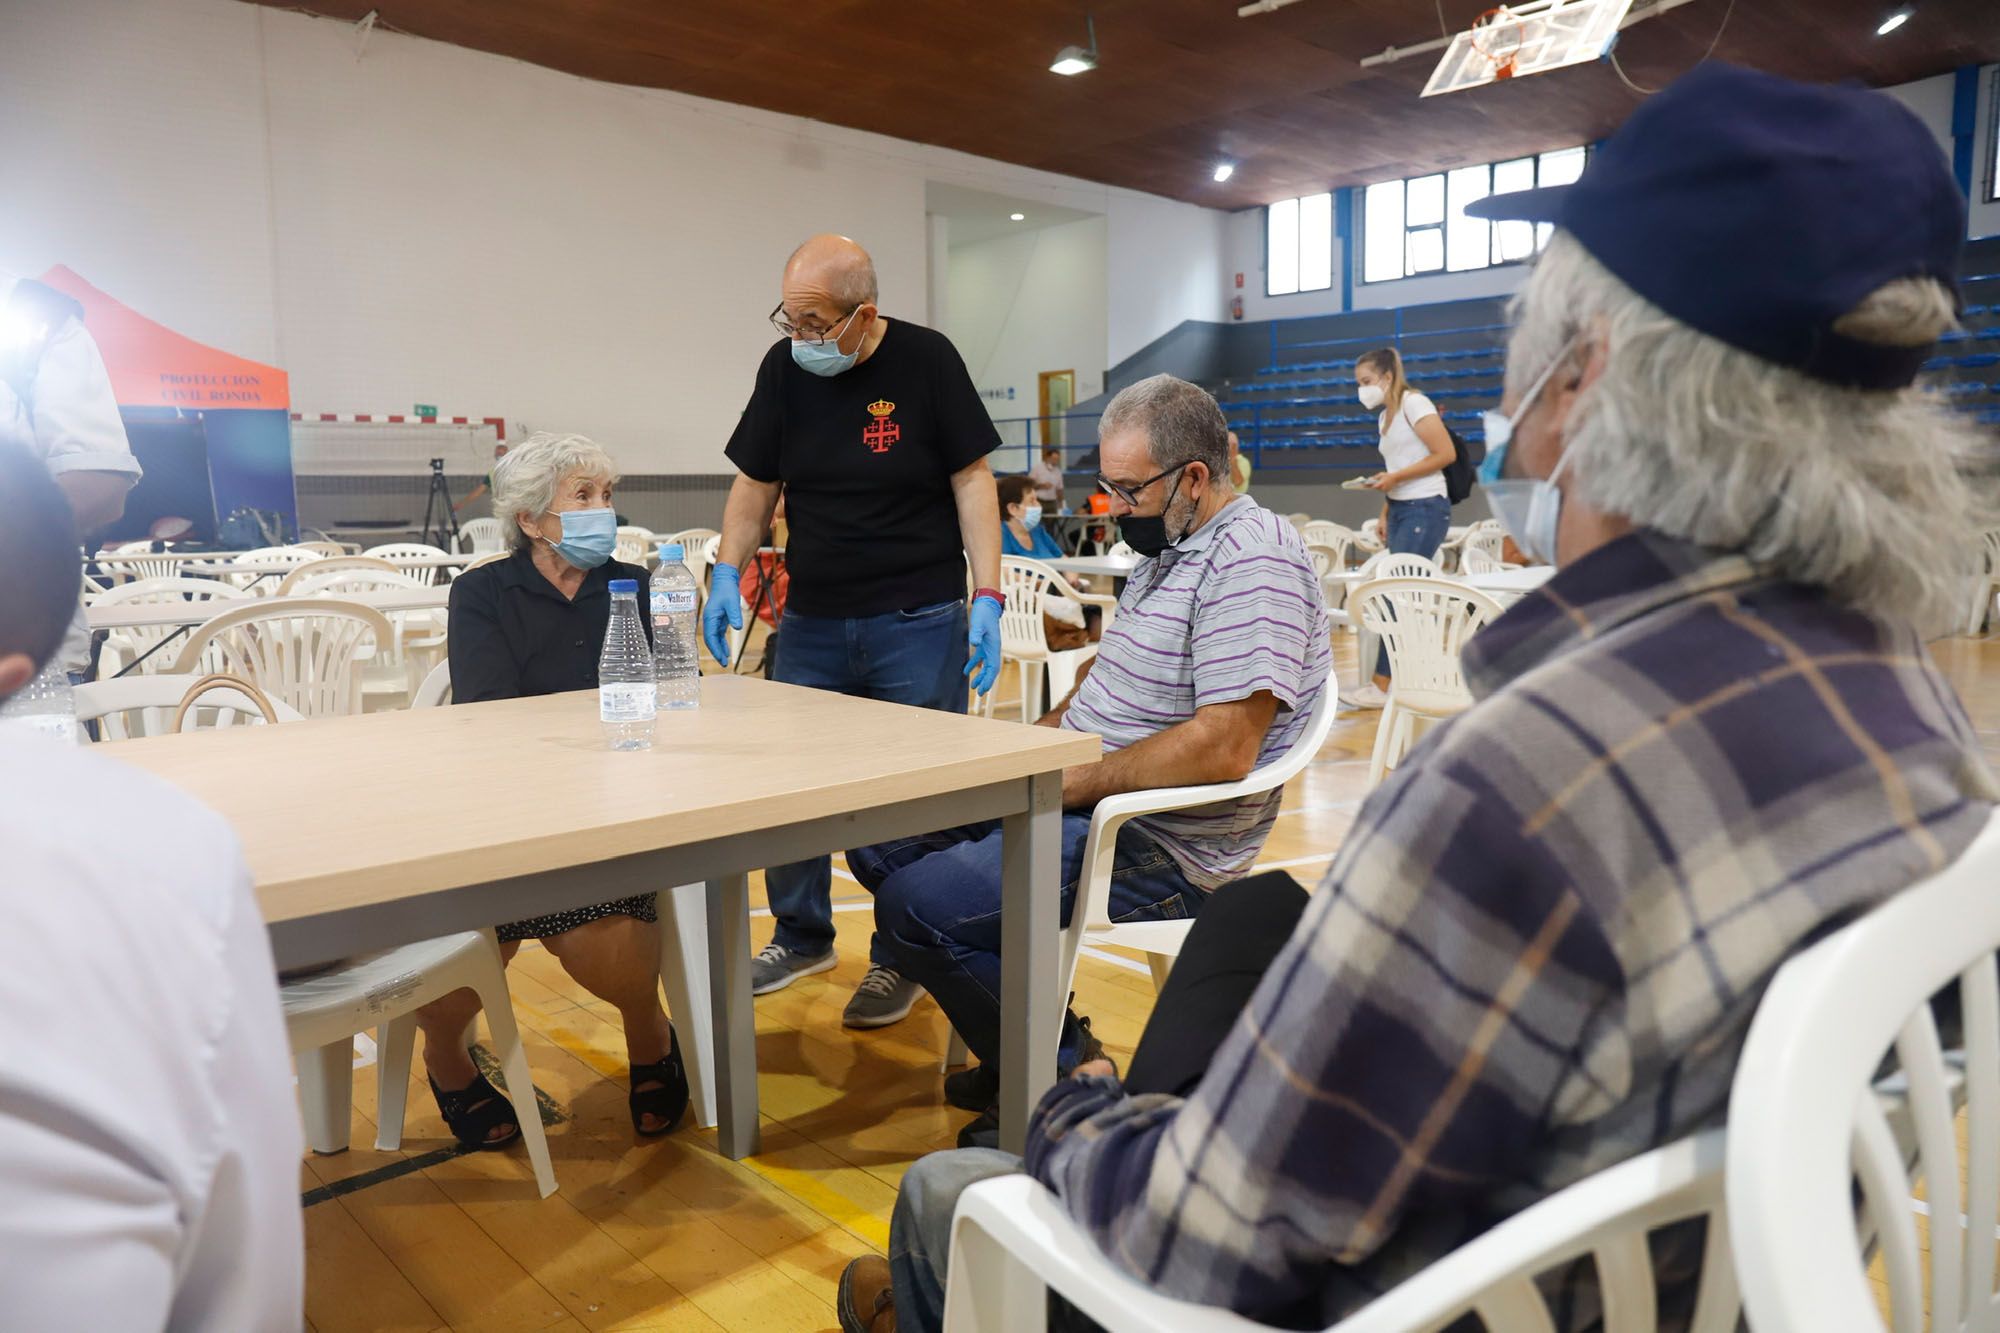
(1461, 474)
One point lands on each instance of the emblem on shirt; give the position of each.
(882, 431)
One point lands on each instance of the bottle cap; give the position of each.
(672, 551)
(625, 585)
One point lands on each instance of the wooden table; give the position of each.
(377, 852)
(129, 615)
(1102, 566)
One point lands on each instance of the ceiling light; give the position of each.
(1223, 171)
(1017, 217)
(1894, 21)
(1077, 59)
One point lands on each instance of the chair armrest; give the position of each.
(1010, 1238)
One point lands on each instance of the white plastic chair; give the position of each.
(384, 991)
(419, 640)
(1325, 532)
(325, 546)
(314, 569)
(1368, 538)
(1424, 623)
(263, 581)
(1090, 914)
(636, 545)
(305, 650)
(1480, 553)
(476, 536)
(125, 646)
(1160, 941)
(435, 691)
(1807, 1121)
(135, 706)
(399, 554)
(694, 544)
(1985, 582)
(1026, 585)
(487, 558)
(1011, 1242)
(134, 560)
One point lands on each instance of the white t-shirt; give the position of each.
(74, 427)
(149, 1138)
(1401, 447)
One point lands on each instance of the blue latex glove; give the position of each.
(984, 641)
(725, 604)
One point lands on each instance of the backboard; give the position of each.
(1532, 38)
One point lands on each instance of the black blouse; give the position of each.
(514, 634)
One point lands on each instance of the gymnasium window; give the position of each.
(1298, 245)
(1416, 226)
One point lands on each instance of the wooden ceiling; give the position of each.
(1181, 84)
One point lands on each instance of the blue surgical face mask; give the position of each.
(826, 358)
(589, 536)
(1529, 508)
(1031, 517)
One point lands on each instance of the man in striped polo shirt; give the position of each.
(1217, 656)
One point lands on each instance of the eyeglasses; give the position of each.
(1130, 494)
(800, 332)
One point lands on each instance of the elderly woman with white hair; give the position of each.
(533, 624)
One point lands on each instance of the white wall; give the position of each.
(1019, 305)
(429, 224)
(1166, 267)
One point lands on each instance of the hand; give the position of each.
(1378, 482)
(984, 641)
(1095, 1069)
(725, 604)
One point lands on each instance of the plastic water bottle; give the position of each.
(676, 669)
(45, 704)
(625, 701)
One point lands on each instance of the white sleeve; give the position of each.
(88, 1234)
(77, 427)
(1416, 407)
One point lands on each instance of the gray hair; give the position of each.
(1876, 496)
(526, 480)
(1181, 421)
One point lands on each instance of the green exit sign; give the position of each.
(426, 410)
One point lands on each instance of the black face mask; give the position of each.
(1147, 534)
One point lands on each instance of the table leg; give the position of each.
(735, 1021)
(1030, 923)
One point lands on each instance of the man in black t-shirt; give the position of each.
(877, 440)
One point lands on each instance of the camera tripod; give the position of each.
(440, 519)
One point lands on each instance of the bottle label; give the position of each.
(673, 602)
(624, 702)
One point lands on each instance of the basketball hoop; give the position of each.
(1497, 37)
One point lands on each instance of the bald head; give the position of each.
(829, 270)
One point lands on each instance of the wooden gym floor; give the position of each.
(671, 1235)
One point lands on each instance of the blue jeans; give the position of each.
(906, 657)
(1416, 527)
(937, 906)
(920, 1228)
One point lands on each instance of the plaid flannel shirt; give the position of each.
(1539, 949)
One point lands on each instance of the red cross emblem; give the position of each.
(880, 432)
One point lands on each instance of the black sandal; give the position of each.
(475, 1111)
(669, 1101)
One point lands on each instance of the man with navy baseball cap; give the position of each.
(1713, 735)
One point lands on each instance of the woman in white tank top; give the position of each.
(1415, 451)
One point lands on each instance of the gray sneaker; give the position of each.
(778, 967)
(882, 998)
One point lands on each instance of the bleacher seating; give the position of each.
(1302, 404)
